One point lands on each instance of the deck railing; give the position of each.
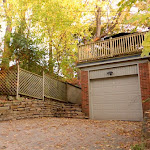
(127, 44)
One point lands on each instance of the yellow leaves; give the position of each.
(110, 146)
(61, 133)
(146, 45)
(108, 135)
(141, 5)
(147, 38)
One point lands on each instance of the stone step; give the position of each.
(65, 110)
(70, 107)
(70, 111)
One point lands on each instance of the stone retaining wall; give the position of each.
(70, 111)
(12, 108)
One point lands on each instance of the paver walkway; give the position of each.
(68, 134)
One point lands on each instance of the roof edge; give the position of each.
(112, 60)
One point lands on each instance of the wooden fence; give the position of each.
(23, 82)
(8, 82)
(112, 47)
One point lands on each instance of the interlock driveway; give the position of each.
(68, 134)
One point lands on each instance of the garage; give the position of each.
(115, 94)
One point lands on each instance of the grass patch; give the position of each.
(138, 147)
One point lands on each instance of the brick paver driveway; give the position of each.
(68, 134)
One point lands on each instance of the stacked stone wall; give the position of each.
(21, 108)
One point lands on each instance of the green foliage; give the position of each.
(147, 100)
(139, 19)
(60, 23)
(138, 147)
(110, 17)
(44, 34)
(25, 50)
(146, 45)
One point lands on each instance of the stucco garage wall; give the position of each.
(73, 94)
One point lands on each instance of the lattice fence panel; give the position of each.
(30, 84)
(8, 82)
(55, 89)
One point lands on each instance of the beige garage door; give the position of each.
(116, 98)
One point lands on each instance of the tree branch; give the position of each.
(110, 28)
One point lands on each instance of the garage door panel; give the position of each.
(100, 98)
(117, 71)
(124, 95)
(101, 113)
(117, 88)
(112, 107)
(116, 81)
(97, 92)
(121, 116)
(121, 107)
(116, 98)
(115, 84)
(108, 99)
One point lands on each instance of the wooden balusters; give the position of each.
(112, 47)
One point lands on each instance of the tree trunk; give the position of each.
(6, 53)
(50, 61)
(98, 22)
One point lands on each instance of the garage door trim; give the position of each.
(116, 71)
(89, 84)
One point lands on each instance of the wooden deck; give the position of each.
(113, 47)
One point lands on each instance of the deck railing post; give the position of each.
(79, 53)
(111, 48)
